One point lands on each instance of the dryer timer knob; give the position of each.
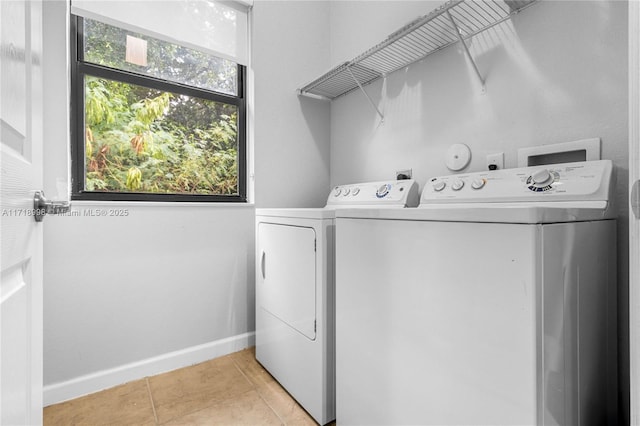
(383, 190)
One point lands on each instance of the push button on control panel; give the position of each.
(457, 185)
(439, 185)
(478, 183)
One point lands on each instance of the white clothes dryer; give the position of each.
(492, 303)
(295, 338)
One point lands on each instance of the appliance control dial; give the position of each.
(541, 177)
(383, 190)
(439, 185)
(457, 185)
(541, 180)
(355, 191)
(337, 191)
(478, 183)
(345, 192)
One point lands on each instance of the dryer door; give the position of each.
(287, 275)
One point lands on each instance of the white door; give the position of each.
(21, 237)
(634, 216)
(287, 278)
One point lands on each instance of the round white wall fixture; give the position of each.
(458, 157)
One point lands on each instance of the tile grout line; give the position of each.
(255, 388)
(216, 401)
(153, 407)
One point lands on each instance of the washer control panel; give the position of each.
(588, 180)
(401, 193)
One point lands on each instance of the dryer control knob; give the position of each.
(355, 191)
(345, 192)
(337, 191)
(457, 185)
(383, 190)
(439, 186)
(542, 177)
(478, 183)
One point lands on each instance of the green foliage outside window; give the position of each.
(145, 140)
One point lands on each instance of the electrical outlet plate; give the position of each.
(497, 159)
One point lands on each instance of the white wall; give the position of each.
(290, 48)
(171, 281)
(124, 289)
(548, 79)
(556, 72)
(173, 284)
(358, 25)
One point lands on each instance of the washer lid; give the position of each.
(531, 213)
(303, 213)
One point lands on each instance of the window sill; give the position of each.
(151, 204)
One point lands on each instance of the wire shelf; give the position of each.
(456, 20)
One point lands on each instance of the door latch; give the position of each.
(42, 206)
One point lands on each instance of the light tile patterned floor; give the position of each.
(231, 390)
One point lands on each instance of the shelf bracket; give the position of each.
(366, 94)
(466, 51)
(311, 95)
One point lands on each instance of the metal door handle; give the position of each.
(262, 265)
(42, 206)
(635, 199)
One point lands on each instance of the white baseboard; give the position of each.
(90, 383)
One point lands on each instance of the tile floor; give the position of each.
(231, 390)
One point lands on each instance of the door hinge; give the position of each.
(315, 244)
(314, 325)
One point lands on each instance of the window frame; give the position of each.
(79, 69)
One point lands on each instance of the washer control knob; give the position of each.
(542, 180)
(439, 185)
(457, 185)
(346, 192)
(542, 177)
(337, 191)
(478, 183)
(383, 190)
(355, 191)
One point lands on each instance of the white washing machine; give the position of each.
(493, 303)
(295, 290)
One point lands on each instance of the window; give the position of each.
(155, 121)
